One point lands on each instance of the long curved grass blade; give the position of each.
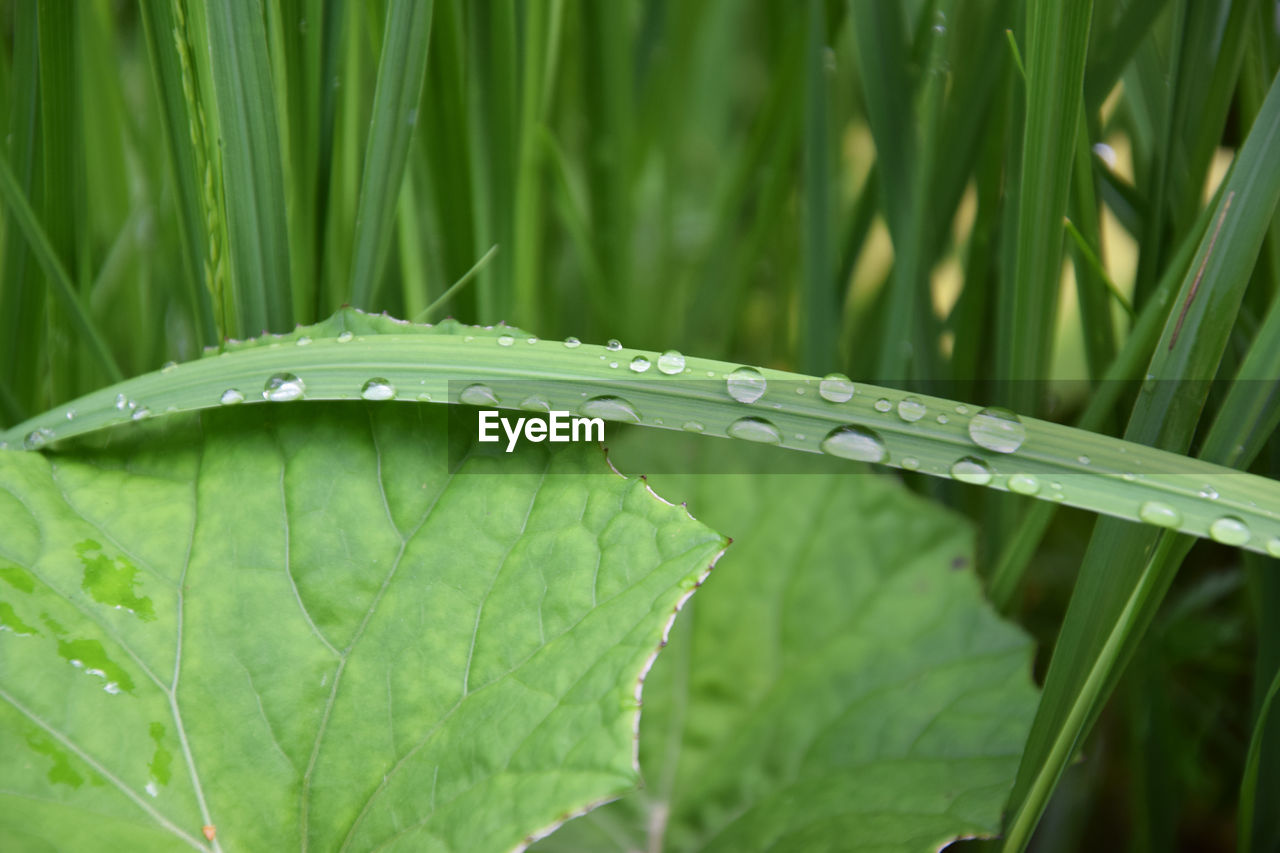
(931, 435)
(401, 70)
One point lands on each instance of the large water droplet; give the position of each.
(911, 409)
(671, 362)
(998, 430)
(609, 408)
(746, 385)
(505, 340)
(1024, 484)
(572, 342)
(478, 395)
(282, 387)
(378, 389)
(971, 469)
(37, 438)
(851, 442)
(1160, 514)
(835, 388)
(755, 429)
(1273, 546)
(1229, 531)
(639, 364)
(613, 345)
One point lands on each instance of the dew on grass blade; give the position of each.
(230, 397)
(911, 409)
(746, 385)
(378, 389)
(140, 413)
(613, 345)
(282, 387)
(998, 430)
(535, 404)
(572, 342)
(1160, 514)
(639, 364)
(671, 362)
(505, 340)
(478, 395)
(883, 405)
(1024, 484)
(693, 426)
(1229, 531)
(971, 469)
(37, 438)
(755, 429)
(344, 337)
(835, 388)
(609, 408)
(852, 442)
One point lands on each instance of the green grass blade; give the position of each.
(258, 241)
(818, 303)
(401, 69)
(1118, 590)
(1258, 826)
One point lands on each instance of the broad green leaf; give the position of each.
(293, 624)
(839, 684)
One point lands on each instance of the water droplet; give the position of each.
(851, 442)
(572, 342)
(1273, 547)
(942, 419)
(755, 429)
(613, 345)
(962, 409)
(303, 341)
(971, 469)
(505, 340)
(140, 413)
(910, 463)
(37, 438)
(1209, 492)
(478, 395)
(835, 388)
(614, 365)
(639, 364)
(378, 389)
(531, 340)
(71, 414)
(882, 405)
(344, 337)
(535, 404)
(424, 398)
(799, 390)
(282, 387)
(1024, 484)
(1229, 531)
(998, 430)
(169, 367)
(1083, 460)
(911, 409)
(746, 385)
(122, 403)
(609, 408)
(693, 426)
(1160, 514)
(671, 362)
(1128, 476)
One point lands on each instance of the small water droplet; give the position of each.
(478, 395)
(1024, 484)
(910, 463)
(609, 408)
(1159, 514)
(230, 397)
(971, 469)
(799, 390)
(911, 409)
(572, 342)
(1209, 492)
(37, 438)
(1273, 546)
(535, 404)
(835, 388)
(692, 426)
(140, 413)
(1229, 531)
(852, 442)
(71, 414)
(613, 345)
(1083, 460)
(746, 385)
(882, 405)
(998, 430)
(1128, 476)
(378, 389)
(505, 340)
(755, 429)
(639, 364)
(424, 398)
(942, 419)
(962, 409)
(344, 337)
(282, 387)
(169, 367)
(671, 362)
(531, 340)
(303, 341)
(122, 403)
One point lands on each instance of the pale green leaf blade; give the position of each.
(296, 626)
